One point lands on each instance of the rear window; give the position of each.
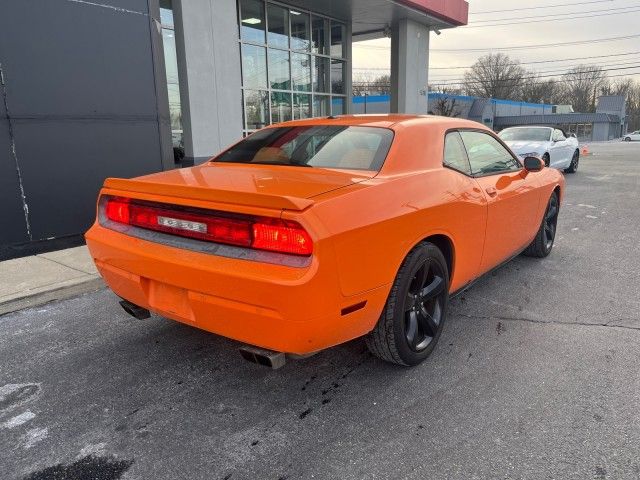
(323, 146)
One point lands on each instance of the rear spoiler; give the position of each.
(231, 197)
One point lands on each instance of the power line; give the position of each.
(535, 77)
(563, 69)
(540, 6)
(387, 69)
(518, 81)
(562, 19)
(491, 20)
(529, 47)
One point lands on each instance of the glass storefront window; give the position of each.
(279, 74)
(337, 39)
(337, 76)
(301, 106)
(293, 63)
(256, 109)
(321, 105)
(254, 66)
(301, 72)
(320, 75)
(337, 106)
(280, 107)
(166, 13)
(319, 32)
(299, 30)
(252, 20)
(278, 20)
(173, 81)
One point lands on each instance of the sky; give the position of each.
(606, 19)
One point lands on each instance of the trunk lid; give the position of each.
(281, 187)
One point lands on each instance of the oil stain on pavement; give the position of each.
(93, 467)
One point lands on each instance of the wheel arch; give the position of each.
(445, 245)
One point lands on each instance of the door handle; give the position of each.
(491, 191)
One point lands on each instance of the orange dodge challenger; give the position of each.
(310, 233)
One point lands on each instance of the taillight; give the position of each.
(281, 236)
(271, 234)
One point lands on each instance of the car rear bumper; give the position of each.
(278, 307)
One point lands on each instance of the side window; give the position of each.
(455, 156)
(487, 155)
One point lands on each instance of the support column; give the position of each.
(210, 79)
(409, 67)
(348, 81)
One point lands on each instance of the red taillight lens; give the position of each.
(281, 236)
(118, 210)
(260, 233)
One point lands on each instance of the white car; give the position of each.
(632, 137)
(557, 149)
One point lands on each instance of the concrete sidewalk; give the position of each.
(31, 281)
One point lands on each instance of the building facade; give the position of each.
(608, 122)
(121, 88)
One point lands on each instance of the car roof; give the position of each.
(383, 120)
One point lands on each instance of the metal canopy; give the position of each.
(370, 18)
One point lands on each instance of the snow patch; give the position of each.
(93, 449)
(19, 420)
(35, 435)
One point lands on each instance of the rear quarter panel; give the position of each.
(375, 224)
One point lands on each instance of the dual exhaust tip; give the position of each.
(261, 356)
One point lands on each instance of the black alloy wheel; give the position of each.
(413, 318)
(543, 242)
(573, 166)
(423, 306)
(550, 221)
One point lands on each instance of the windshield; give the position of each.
(530, 134)
(322, 146)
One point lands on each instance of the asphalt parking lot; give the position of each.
(536, 376)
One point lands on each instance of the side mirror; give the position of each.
(533, 164)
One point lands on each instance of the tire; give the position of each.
(573, 166)
(627, 139)
(547, 159)
(543, 242)
(413, 318)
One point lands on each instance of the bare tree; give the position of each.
(536, 90)
(581, 85)
(494, 76)
(446, 105)
(633, 105)
(367, 83)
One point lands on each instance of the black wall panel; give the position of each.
(64, 164)
(80, 88)
(13, 227)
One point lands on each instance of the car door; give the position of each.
(559, 151)
(511, 193)
(470, 210)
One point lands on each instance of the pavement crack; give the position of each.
(551, 322)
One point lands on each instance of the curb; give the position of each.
(61, 293)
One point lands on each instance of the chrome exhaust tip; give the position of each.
(261, 356)
(134, 310)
